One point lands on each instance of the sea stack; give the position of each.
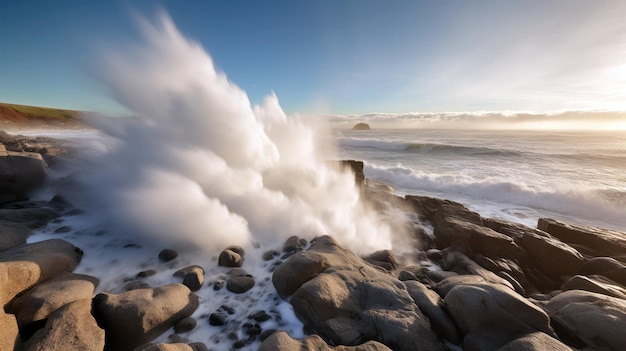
(361, 126)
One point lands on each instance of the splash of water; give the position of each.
(199, 165)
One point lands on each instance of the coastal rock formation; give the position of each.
(594, 241)
(281, 341)
(133, 318)
(20, 173)
(585, 319)
(13, 234)
(535, 342)
(71, 328)
(348, 302)
(361, 126)
(491, 315)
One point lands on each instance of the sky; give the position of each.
(345, 58)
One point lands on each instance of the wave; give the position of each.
(423, 147)
(595, 204)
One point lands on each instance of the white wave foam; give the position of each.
(576, 202)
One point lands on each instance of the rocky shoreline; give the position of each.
(474, 282)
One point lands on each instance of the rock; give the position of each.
(595, 283)
(433, 306)
(361, 126)
(164, 347)
(599, 241)
(267, 333)
(434, 255)
(383, 258)
(269, 255)
(293, 244)
(9, 332)
(297, 270)
(436, 210)
(34, 307)
(349, 302)
(281, 341)
(491, 315)
(239, 281)
(217, 319)
(535, 342)
(146, 273)
(600, 265)
(31, 217)
(184, 325)
(70, 328)
(136, 317)
(20, 173)
(461, 264)
(260, 316)
(437, 276)
(474, 239)
(585, 319)
(444, 286)
(553, 257)
(167, 255)
(355, 167)
(230, 258)
(199, 346)
(405, 275)
(193, 277)
(26, 265)
(12, 234)
(237, 249)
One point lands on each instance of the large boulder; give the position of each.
(348, 302)
(433, 306)
(70, 328)
(535, 342)
(598, 241)
(585, 319)
(595, 283)
(553, 257)
(34, 307)
(26, 265)
(281, 341)
(136, 317)
(20, 173)
(32, 217)
(12, 234)
(491, 315)
(474, 239)
(9, 332)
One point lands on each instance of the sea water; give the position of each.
(518, 175)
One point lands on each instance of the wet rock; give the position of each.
(491, 315)
(434, 255)
(281, 341)
(433, 306)
(437, 276)
(24, 266)
(237, 249)
(461, 264)
(45, 298)
(230, 258)
(553, 257)
(535, 342)
(146, 273)
(167, 255)
(71, 328)
(20, 173)
(585, 319)
(383, 258)
(294, 244)
(165, 347)
(595, 283)
(135, 285)
(260, 316)
(184, 325)
(267, 333)
(239, 281)
(198, 346)
(12, 234)
(406, 275)
(63, 229)
(349, 302)
(444, 286)
(31, 217)
(136, 317)
(269, 255)
(599, 241)
(193, 277)
(217, 319)
(218, 285)
(474, 239)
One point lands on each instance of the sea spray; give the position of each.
(199, 166)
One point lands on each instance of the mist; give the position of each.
(199, 166)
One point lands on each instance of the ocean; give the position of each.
(516, 175)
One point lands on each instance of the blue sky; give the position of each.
(339, 57)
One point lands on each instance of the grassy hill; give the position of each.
(32, 116)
